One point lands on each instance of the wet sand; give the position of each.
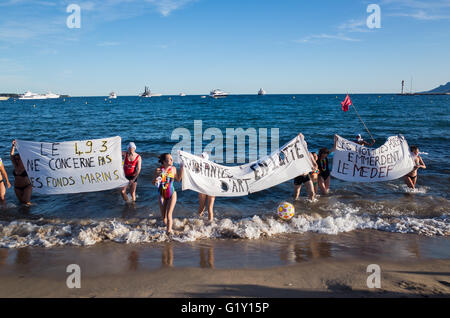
(309, 265)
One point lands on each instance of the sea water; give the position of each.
(89, 218)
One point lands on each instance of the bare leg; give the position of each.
(202, 203)
(27, 195)
(133, 187)
(409, 183)
(162, 207)
(327, 184)
(169, 210)
(310, 189)
(414, 181)
(297, 189)
(124, 193)
(322, 187)
(211, 207)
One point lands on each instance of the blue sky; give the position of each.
(193, 46)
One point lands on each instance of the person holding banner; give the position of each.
(305, 179)
(3, 185)
(164, 179)
(22, 184)
(324, 170)
(411, 178)
(132, 168)
(314, 175)
(362, 142)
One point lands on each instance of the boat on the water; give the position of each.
(261, 92)
(148, 93)
(4, 98)
(31, 96)
(50, 95)
(112, 95)
(218, 93)
(182, 94)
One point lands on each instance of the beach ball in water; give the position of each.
(286, 211)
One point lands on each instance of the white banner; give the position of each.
(73, 166)
(356, 163)
(209, 178)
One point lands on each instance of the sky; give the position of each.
(194, 46)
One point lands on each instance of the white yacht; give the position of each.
(51, 95)
(217, 93)
(182, 94)
(148, 93)
(29, 95)
(112, 95)
(261, 92)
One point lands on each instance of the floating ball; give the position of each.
(285, 211)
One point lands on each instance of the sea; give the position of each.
(86, 219)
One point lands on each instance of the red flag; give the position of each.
(347, 102)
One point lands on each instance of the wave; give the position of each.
(52, 233)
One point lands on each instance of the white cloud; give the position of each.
(323, 36)
(165, 7)
(354, 26)
(420, 15)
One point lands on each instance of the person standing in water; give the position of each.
(411, 178)
(22, 184)
(164, 179)
(324, 170)
(203, 198)
(4, 182)
(132, 168)
(305, 179)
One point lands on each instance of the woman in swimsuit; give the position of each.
(305, 179)
(22, 184)
(4, 177)
(411, 178)
(164, 178)
(324, 171)
(132, 168)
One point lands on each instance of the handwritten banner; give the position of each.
(73, 166)
(356, 163)
(213, 179)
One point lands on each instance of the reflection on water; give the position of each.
(207, 257)
(167, 255)
(283, 250)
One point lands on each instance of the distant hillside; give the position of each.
(441, 89)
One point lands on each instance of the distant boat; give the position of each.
(50, 95)
(112, 95)
(148, 93)
(30, 96)
(182, 94)
(217, 93)
(4, 98)
(261, 92)
(202, 96)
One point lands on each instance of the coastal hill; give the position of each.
(441, 89)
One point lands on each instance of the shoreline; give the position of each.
(288, 266)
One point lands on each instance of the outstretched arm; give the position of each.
(179, 174)
(13, 148)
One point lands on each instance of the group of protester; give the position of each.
(166, 174)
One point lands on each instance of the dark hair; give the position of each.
(413, 148)
(323, 151)
(163, 157)
(16, 156)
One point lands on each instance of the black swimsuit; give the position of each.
(23, 175)
(324, 170)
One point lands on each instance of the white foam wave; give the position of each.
(89, 232)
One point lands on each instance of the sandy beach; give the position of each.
(318, 266)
